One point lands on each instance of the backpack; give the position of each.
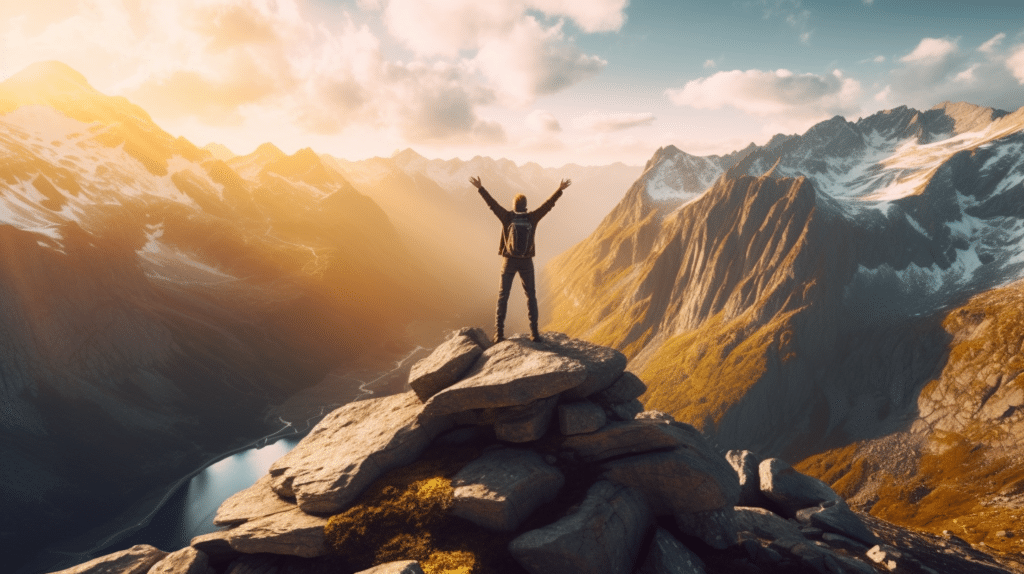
(519, 236)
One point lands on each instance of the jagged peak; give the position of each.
(269, 151)
(406, 155)
(50, 77)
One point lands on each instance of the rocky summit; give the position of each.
(538, 458)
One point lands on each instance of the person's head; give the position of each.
(519, 203)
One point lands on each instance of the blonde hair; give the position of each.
(519, 203)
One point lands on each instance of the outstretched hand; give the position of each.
(475, 180)
(565, 183)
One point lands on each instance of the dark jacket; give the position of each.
(507, 216)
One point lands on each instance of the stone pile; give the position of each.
(659, 498)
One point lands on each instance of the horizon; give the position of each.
(540, 81)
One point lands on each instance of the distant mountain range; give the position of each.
(159, 298)
(797, 297)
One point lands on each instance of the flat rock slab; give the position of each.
(350, 448)
(136, 560)
(625, 388)
(716, 528)
(531, 424)
(444, 366)
(400, 567)
(690, 478)
(629, 437)
(602, 536)
(257, 501)
(503, 487)
(625, 411)
(836, 516)
(292, 533)
(764, 524)
(512, 372)
(792, 490)
(580, 417)
(669, 556)
(188, 560)
(604, 365)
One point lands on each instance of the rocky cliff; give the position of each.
(536, 458)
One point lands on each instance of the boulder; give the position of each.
(292, 533)
(836, 516)
(792, 490)
(400, 567)
(444, 366)
(602, 536)
(257, 501)
(669, 556)
(364, 440)
(254, 564)
(886, 555)
(843, 542)
(512, 372)
(531, 424)
(679, 481)
(477, 334)
(604, 365)
(745, 463)
(716, 528)
(580, 417)
(503, 487)
(630, 437)
(188, 560)
(626, 388)
(764, 524)
(136, 560)
(624, 411)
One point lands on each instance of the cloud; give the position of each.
(709, 63)
(766, 93)
(937, 69)
(543, 121)
(532, 61)
(792, 11)
(614, 122)
(992, 43)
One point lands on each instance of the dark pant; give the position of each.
(524, 267)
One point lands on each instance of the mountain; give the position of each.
(157, 301)
(801, 302)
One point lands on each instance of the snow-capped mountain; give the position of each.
(156, 300)
(792, 305)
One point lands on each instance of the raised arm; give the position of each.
(496, 207)
(547, 205)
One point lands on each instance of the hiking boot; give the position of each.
(536, 338)
(499, 337)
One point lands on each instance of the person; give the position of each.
(517, 247)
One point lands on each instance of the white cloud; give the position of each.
(1015, 63)
(709, 63)
(766, 93)
(532, 61)
(543, 121)
(613, 122)
(879, 59)
(792, 11)
(992, 43)
(932, 50)
(883, 96)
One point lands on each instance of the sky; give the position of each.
(550, 81)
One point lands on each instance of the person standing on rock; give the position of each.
(518, 228)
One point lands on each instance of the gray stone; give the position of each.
(792, 490)
(716, 528)
(631, 437)
(477, 334)
(365, 439)
(503, 487)
(764, 524)
(839, 541)
(255, 502)
(580, 417)
(254, 564)
(604, 365)
(531, 425)
(444, 366)
(136, 560)
(625, 411)
(602, 536)
(292, 533)
(809, 554)
(836, 516)
(626, 388)
(680, 481)
(188, 560)
(669, 556)
(400, 567)
(512, 372)
(745, 463)
(854, 566)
